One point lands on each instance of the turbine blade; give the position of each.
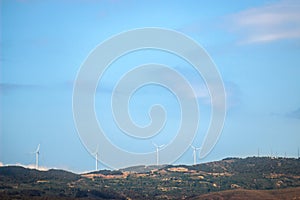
(154, 144)
(38, 149)
(97, 149)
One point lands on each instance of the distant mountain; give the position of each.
(142, 168)
(260, 177)
(133, 169)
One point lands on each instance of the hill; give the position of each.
(142, 168)
(19, 174)
(229, 178)
(240, 194)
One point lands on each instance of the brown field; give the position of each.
(280, 194)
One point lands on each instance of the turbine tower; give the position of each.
(96, 157)
(195, 149)
(37, 152)
(157, 149)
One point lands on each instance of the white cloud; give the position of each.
(276, 21)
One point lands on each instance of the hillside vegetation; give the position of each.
(231, 178)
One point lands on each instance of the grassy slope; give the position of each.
(239, 194)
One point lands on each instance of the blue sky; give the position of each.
(254, 44)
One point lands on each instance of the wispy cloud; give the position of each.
(294, 114)
(6, 87)
(271, 22)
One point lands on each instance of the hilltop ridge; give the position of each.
(228, 176)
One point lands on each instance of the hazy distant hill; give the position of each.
(142, 168)
(19, 174)
(232, 177)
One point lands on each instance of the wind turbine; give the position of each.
(37, 152)
(195, 149)
(96, 157)
(157, 149)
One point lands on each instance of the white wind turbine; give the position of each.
(37, 152)
(157, 149)
(195, 149)
(96, 157)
